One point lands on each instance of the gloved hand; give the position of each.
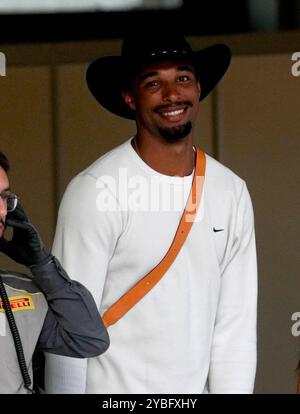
(26, 246)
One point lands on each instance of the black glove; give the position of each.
(26, 246)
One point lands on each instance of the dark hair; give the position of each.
(4, 162)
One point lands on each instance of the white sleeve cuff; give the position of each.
(65, 375)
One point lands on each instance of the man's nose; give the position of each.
(170, 92)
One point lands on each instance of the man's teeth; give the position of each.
(173, 113)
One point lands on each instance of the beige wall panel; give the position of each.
(260, 142)
(85, 130)
(25, 136)
(204, 131)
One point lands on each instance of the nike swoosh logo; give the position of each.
(216, 230)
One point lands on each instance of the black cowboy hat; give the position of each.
(107, 76)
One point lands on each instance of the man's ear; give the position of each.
(129, 100)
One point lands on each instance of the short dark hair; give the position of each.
(4, 162)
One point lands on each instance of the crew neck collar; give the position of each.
(138, 160)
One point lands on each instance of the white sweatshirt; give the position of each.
(195, 331)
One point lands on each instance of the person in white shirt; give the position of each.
(195, 331)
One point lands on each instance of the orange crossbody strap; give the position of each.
(141, 288)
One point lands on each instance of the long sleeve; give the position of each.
(84, 243)
(233, 355)
(65, 375)
(73, 326)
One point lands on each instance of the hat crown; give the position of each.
(155, 47)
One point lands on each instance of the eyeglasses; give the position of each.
(10, 199)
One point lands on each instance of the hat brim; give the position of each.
(105, 80)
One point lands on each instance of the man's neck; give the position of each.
(174, 159)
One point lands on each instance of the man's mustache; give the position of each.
(172, 105)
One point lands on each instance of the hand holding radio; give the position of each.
(26, 246)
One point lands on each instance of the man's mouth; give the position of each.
(172, 113)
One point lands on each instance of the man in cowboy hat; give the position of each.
(195, 331)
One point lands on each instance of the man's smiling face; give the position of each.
(165, 96)
(4, 186)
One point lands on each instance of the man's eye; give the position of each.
(5, 194)
(151, 84)
(184, 78)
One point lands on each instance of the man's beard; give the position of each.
(177, 133)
